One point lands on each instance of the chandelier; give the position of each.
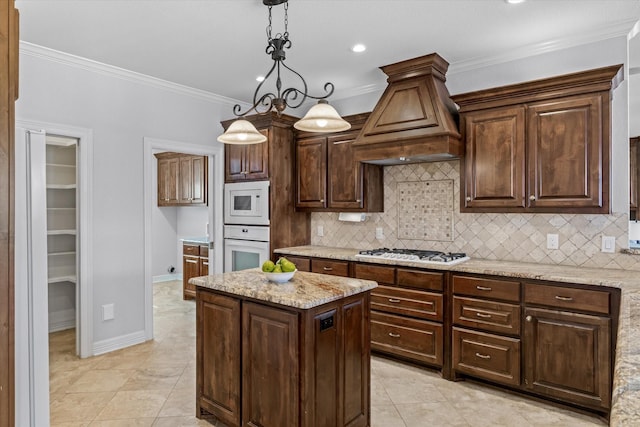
(320, 118)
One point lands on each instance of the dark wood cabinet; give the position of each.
(195, 263)
(540, 146)
(329, 179)
(407, 312)
(268, 365)
(247, 162)
(182, 179)
(634, 176)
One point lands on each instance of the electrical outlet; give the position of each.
(107, 312)
(320, 231)
(608, 244)
(553, 242)
(379, 233)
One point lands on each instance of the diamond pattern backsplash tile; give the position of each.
(496, 236)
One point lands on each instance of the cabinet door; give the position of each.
(185, 189)
(568, 356)
(256, 159)
(568, 160)
(634, 154)
(270, 370)
(311, 173)
(494, 164)
(204, 266)
(218, 357)
(167, 182)
(233, 159)
(345, 176)
(199, 180)
(190, 268)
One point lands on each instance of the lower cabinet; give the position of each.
(265, 365)
(195, 263)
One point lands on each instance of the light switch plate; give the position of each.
(608, 244)
(553, 242)
(320, 231)
(379, 233)
(107, 312)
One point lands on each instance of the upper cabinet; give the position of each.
(182, 179)
(328, 177)
(247, 162)
(541, 146)
(634, 177)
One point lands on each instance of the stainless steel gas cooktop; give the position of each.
(415, 255)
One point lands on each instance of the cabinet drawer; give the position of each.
(420, 279)
(302, 264)
(410, 338)
(325, 266)
(204, 250)
(487, 288)
(191, 250)
(486, 356)
(375, 272)
(424, 305)
(567, 298)
(488, 315)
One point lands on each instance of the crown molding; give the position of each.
(625, 28)
(79, 62)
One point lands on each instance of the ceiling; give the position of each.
(218, 46)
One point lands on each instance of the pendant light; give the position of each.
(320, 118)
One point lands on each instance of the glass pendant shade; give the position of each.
(242, 132)
(322, 117)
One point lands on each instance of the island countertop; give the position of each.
(305, 290)
(625, 400)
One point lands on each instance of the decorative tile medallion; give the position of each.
(425, 210)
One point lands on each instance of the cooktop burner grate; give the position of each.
(415, 255)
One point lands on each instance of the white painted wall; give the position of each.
(580, 58)
(120, 112)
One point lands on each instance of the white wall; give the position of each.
(580, 58)
(120, 112)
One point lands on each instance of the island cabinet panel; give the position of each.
(218, 326)
(270, 365)
(270, 369)
(568, 356)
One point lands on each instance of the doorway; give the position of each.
(214, 210)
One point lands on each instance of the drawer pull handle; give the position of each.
(483, 288)
(392, 335)
(394, 300)
(561, 298)
(483, 356)
(483, 315)
(327, 268)
(191, 261)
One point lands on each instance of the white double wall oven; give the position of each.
(246, 229)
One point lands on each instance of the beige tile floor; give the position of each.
(153, 384)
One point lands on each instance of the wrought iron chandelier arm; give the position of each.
(262, 106)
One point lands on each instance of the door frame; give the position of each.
(215, 195)
(32, 337)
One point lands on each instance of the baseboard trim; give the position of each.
(116, 343)
(167, 277)
(62, 320)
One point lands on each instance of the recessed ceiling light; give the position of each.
(514, 1)
(357, 48)
(260, 78)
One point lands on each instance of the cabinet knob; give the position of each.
(532, 197)
(528, 318)
(358, 200)
(468, 199)
(321, 200)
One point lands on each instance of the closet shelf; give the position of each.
(60, 279)
(64, 253)
(61, 186)
(60, 232)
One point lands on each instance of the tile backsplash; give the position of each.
(497, 236)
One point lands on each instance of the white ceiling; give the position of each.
(218, 45)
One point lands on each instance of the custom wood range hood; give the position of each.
(414, 120)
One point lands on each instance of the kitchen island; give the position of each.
(625, 390)
(290, 354)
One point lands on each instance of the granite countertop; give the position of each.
(625, 402)
(196, 240)
(304, 290)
